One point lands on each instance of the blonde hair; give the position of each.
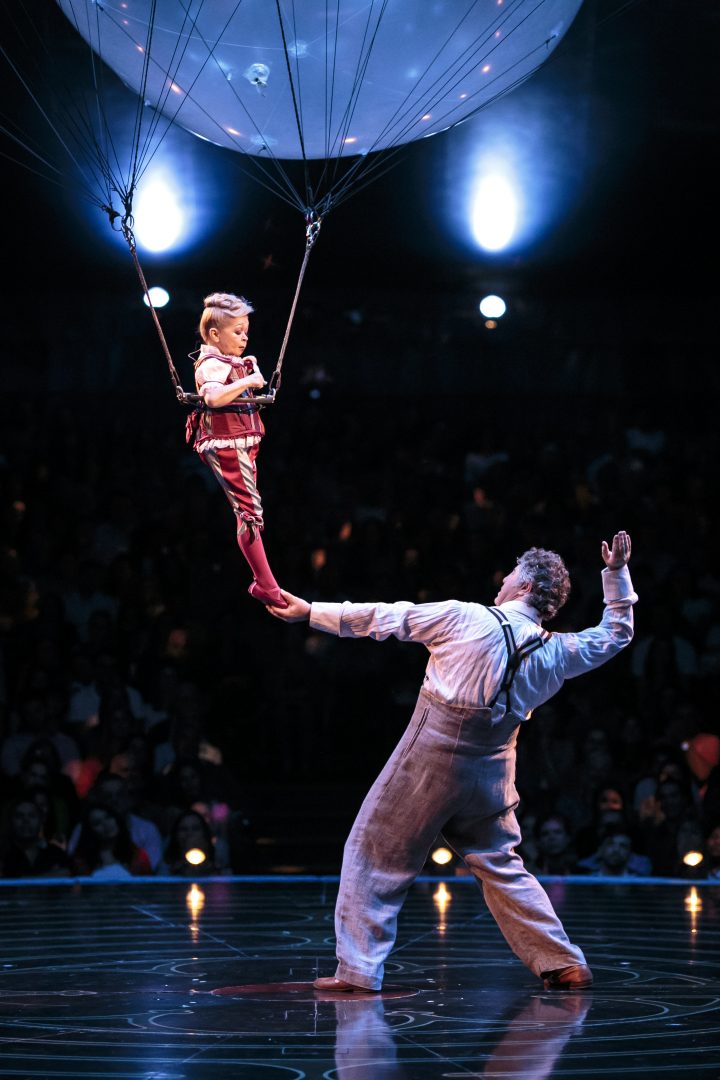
(218, 307)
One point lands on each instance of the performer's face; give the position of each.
(512, 587)
(231, 337)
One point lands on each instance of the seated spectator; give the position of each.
(664, 821)
(114, 729)
(712, 854)
(191, 832)
(52, 830)
(95, 679)
(690, 839)
(608, 812)
(555, 852)
(41, 769)
(615, 857)
(702, 756)
(186, 738)
(594, 769)
(35, 722)
(87, 596)
(111, 792)
(104, 848)
(662, 658)
(192, 784)
(25, 852)
(666, 763)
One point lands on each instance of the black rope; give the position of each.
(311, 234)
(126, 228)
(298, 119)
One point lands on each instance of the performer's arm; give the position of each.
(425, 623)
(590, 648)
(217, 393)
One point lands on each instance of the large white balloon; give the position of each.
(367, 74)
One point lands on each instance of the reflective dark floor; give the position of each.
(172, 981)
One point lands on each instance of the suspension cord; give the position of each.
(314, 221)
(126, 224)
(312, 230)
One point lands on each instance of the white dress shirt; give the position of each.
(468, 655)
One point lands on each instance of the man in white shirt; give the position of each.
(454, 768)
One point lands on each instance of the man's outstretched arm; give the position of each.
(422, 623)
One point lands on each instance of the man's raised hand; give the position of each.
(618, 555)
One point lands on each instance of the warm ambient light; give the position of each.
(442, 896)
(692, 858)
(195, 856)
(441, 856)
(693, 902)
(195, 900)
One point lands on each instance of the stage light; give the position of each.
(441, 856)
(693, 858)
(693, 901)
(442, 897)
(195, 900)
(158, 217)
(159, 297)
(492, 307)
(494, 212)
(195, 856)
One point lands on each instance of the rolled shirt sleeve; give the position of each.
(424, 623)
(589, 648)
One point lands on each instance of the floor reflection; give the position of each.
(366, 1047)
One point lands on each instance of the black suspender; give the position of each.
(515, 655)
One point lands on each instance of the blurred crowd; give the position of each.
(143, 693)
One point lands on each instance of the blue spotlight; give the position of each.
(494, 212)
(159, 220)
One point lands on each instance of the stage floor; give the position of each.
(170, 981)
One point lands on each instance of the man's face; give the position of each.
(553, 838)
(616, 851)
(26, 822)
(113, 793)
(512, 587)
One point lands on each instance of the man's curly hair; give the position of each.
(547, 574)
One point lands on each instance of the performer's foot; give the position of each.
(339, 986)
(272, 596)
(576, 977)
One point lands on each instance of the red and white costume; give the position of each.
(228, 441)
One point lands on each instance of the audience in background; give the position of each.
(24, 851)
(141, 691)
(104, 848)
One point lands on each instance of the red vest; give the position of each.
(240, 418)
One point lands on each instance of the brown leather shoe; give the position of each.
(339, 986)
(576, 977)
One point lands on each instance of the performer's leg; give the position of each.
(387, 848)
(264, 587)
(236, 472)
(516, 899)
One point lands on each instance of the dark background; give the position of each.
(391, 380)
